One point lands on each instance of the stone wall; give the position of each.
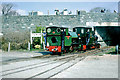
(16, 28)
(20, 22)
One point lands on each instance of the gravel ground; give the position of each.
(14, 55)
(105, 66)
(93, 67)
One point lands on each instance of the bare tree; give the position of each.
(13, 13)
(7, 9)
(0, 9)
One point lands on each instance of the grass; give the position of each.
(110, 51)
(37, 50)
(25, 50)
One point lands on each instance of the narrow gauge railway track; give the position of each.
(44, 56)
(27, 66)
(20, 59)
(67, 61)
(72, 58)
(31, 66)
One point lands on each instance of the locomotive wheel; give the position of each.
(59, 53)
(71, 49)
(97, 46)
(53, 53)
(84, 50)
(65, 51)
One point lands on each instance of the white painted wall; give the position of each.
(103, 24)
(39, 13)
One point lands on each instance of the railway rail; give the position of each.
(50, 67)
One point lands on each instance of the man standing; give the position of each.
(44, 36)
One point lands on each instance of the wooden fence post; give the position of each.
(28, 45)
(9, 47)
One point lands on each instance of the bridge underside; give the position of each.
(109, 34)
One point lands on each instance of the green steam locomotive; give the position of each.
(61, 40)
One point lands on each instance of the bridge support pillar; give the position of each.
(100, 40)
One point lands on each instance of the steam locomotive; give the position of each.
(61, 40)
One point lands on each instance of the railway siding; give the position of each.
(54, 66)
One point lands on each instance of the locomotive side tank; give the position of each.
(75, 44)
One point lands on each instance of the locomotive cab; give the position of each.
(81, 32)
(91, 39)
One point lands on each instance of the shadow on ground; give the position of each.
(113, 53)
(44, 53)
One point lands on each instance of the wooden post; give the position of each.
(31, 36)
(31, 39)
(116, 49)
(41, 35)
(28, 45)
(43, 45)
(9, 47)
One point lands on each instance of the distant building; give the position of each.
(77, 12)
(48, 12)
(102, 24)
(80, 12)
(115, 11)
(34, 13)
(70, 13)
(57, 12)
(65, 12)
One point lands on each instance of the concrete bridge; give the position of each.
(109, 33)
